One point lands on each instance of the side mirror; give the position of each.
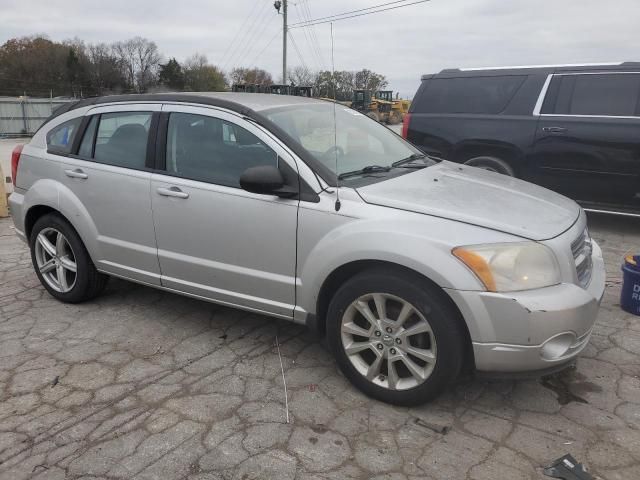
(266, 180)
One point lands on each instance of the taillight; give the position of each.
(15, 159)
(405, 125)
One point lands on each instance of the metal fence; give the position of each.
(24, 115)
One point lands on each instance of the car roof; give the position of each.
(244, 103)
(250, 105)
(533, 69)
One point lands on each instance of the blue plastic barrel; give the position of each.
(630, 295)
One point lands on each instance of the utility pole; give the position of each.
(277, 5)
(284, 42)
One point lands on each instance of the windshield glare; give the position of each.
(358, 141)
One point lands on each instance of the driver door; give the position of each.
(216, 240)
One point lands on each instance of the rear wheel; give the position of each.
(62, 262)
(395, 337)
(395, 118)
(493, 164)
(373, 115)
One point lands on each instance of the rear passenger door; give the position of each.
(110, 178)
(587, 143)
(216, 240)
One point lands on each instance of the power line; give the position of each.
(317, 22)
(295, 46)
(305, 5)
(353, 11)
(248, 35)
(308, 37)
(258, 33)
(231, 44)
(267, 46)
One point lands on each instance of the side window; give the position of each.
(213, 150)
(86, 146)
(60, 138)
(487, 95)
(606, 94)
(122, 139)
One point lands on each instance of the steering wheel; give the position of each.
(334, 150)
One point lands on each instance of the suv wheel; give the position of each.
(395, 337)
(62, 262)
(492, 164)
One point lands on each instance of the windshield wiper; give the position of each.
(411, 158)
(362, 171)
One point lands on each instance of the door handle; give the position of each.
(77, 173)
(554, 129)
(172, 192)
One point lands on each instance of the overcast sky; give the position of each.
(401, 44)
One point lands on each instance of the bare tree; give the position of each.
(251, 75)
(139, 58)
(302, 76)
(105, 70)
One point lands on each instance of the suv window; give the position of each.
(122, 139)
(60, 138)
(212, 150)
(606, 94)
(469, 94)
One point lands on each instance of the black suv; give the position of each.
(573, 129)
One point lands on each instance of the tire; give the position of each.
(374, 116)
(57, 259)
(492, 164)
(395, 118)
(445, 342)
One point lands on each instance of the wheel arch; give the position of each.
(69, 207)
(505, 151)
(344, 272)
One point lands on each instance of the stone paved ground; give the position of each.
(144, 384)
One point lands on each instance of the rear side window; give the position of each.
(86, 146)
(60, 138)
(596, 94)
(469, 94)
(121, 139)
(212, 150)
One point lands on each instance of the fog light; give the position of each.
(557, 346)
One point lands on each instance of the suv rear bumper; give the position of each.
(533, 330)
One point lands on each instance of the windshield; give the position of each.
(359, 142)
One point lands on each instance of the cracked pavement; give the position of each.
(145, 384)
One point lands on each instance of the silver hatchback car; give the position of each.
(415, 269)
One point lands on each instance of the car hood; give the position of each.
(477, 197)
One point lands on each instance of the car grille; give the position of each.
(581, 249)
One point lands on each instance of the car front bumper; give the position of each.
(535, 330)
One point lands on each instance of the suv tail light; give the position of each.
(405, 125)
(15, 160)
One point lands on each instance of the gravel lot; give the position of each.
(145, 384)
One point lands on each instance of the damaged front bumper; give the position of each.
(532, 330)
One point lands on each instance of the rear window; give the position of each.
(60, 138)
(469, 94)
(594, 94)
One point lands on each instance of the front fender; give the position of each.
(408, 244)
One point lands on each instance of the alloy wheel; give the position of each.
(388, 341)
(55, 260)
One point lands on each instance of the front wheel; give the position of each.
(62, 262)
(395, 336)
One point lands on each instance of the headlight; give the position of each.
(508, 267)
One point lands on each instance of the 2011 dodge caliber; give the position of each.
(415, 269)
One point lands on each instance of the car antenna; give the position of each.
(335, 127)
